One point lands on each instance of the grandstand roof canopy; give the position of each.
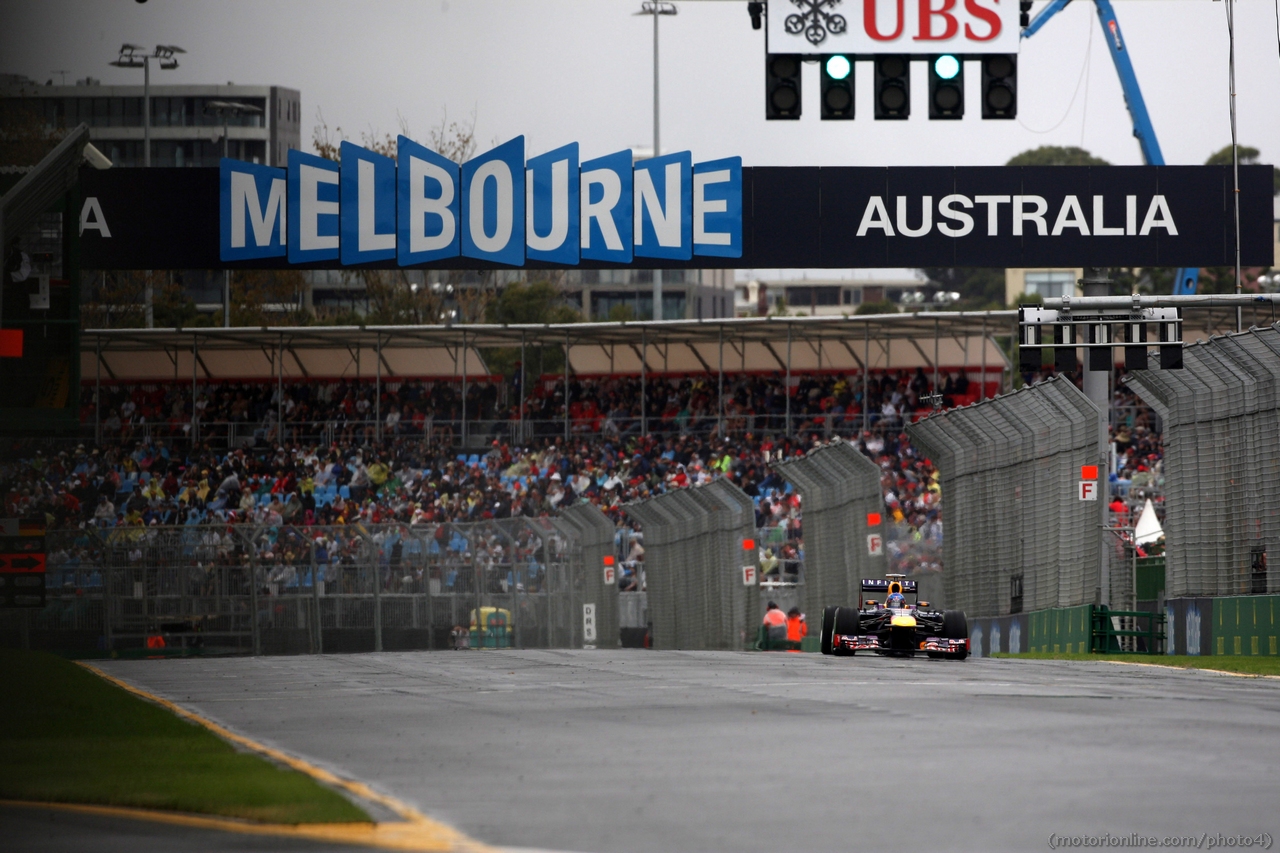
(897, 341)
(673, 346)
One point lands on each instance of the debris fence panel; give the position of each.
(1018, 538)
(840, 491)
(246, 588)
(1221, 417)
(693, 541)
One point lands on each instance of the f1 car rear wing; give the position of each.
(886, 585)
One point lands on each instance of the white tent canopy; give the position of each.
(1148, 528)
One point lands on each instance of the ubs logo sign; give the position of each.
(893, 26)
(420, 207)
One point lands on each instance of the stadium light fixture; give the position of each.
(132, 56)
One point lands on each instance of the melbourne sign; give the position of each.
(421, 207)
(893, 26)
(553, 211)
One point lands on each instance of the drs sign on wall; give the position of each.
(893, 26)
(420, 208)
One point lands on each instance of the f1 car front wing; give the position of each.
(870, 642)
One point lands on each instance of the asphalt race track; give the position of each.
(687, 751)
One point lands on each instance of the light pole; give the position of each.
(131, 56)
(226, 109)
(656, 8)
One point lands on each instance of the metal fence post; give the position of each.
(377, 389)
(644, 381)
(866, 376)
(280, 391)
(195, 373)
(377, 600)
(566, 391)
(107, 599)
(786, 388)
(982, 387)
(97, 393)
(315, 594)
(253, 599)
(520, 395)
(464, 390)
(720, 385)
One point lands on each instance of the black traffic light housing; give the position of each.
(892, 86)
(946, 94)
(837, 91)
(1000, 85)
(782, 86)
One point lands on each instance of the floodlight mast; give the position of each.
(131, 56)
(226, 109)
(656, 8)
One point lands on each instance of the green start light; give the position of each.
(946, 66)
(838, 67)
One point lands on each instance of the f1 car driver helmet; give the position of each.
(895, 600)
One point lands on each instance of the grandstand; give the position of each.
(420, 443)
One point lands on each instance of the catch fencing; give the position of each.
(591, 534)
(247, 588)
(1221, 415)
(839, 489)
(1017, 537)
(694, 559)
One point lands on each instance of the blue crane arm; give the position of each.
(1185, 279)
(1042, 17)
(1142, 127)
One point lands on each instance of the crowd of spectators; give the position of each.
(411, 472)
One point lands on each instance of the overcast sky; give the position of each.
(581, 70)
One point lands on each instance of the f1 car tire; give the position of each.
(828, 627)
(847, 621)
(955, 627)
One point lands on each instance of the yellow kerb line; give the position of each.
(415, 832)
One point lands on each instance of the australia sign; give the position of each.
(420, 208)
(554, 211)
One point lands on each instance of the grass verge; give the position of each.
(68, 736)
(1244, 665)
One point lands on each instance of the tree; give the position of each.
(392, 297)
(1248, 157)
(268, 298)
(454, 140)
(1055, 155)
(24, 137)
(533, 303)
(884, 306)
(980, 288)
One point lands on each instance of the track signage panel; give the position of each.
(555, 211)
(495, 208)
(893, 26)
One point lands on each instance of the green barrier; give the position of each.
(1246, 625)
(1107, 637)
(1150, 578)
(1065, 629)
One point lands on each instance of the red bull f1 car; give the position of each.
(890, 625)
